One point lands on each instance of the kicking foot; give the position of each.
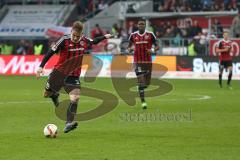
(70, 126)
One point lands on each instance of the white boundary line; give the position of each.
(185, 97)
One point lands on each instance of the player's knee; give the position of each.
(47, 94)
(74, 98)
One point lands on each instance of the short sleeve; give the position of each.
(153, 38)
(130, 38)
(219, 44)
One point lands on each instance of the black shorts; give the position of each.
(225, 64)
(143, 72)
(56, 81)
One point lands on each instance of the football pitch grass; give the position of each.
(199, 121)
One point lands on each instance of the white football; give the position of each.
(50, 130)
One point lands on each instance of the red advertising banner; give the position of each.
(28, 65)
(23, 65)
(235, 47)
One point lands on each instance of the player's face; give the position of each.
(75, 36)
(141, 25)
(225, 35)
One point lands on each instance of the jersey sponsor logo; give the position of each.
(142, 42)
(82, 43)
(146, 37)
(76, 49)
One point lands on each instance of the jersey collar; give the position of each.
(141, 34)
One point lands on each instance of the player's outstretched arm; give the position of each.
(100, 38)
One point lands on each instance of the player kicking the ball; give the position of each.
(142, 41)
(224, 48)
(66, 72)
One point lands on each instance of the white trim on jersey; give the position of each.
(56, 45)
(89, 39)
(152, 34)
(141, 34)
(223, 40)
(218, 43)
(131, 35)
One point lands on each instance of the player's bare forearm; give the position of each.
(156, 48)
(129, 48)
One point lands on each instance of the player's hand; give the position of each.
(130, 50)
(39, 72)
(107, 36)
(227, 49)
(148, 51)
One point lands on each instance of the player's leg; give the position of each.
(230, 74)
(72, 110)
(147, 79)
(53, 95)
(148, 74)
(141, 87)
(141, 72)
(53, 85)
(221, 67)
(72, 86)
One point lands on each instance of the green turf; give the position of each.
(212, 132)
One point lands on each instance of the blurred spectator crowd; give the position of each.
(87, 6)
(195, 5)
(23, 47)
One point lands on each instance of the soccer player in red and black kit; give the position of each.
(224, 48)
(68, 69)
(142, 41)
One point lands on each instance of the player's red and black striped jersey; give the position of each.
(70, 54)
(225, 56)
(142, 42)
